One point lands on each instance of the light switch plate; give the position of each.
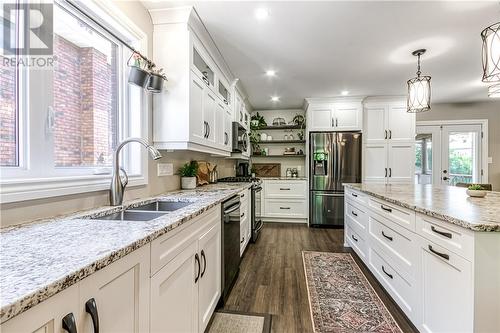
(165, 169)
(490, 159)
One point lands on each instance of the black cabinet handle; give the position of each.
(385, 173)
(69, 323)
(243, 240)
(385, 135)
(204, 263)
(242, 215)
(353, 213)
(390, 172)
(206, 129)
(284, 189)
(442, 233)
(242, 195)
(389, 275)
(390, 134)
(354, 195)
(442, 255)
(197, 259)
(208, 125)
(91, 308)
(284, 207)
(386, 209)
(352, 236)
(206, 80)
(388, 237)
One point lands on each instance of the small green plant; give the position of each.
(475, 187)
(257, 121)
(189, 169)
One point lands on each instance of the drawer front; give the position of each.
(452, 238)
(356, 196)
(402, 290)
(165, 248)
(403, 217)
(396, 242)
(357, 243)
(288, 208)
(295, 189)
(358, 215)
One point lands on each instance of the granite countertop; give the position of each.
(448, 203)
(283, 178)
(42, 258)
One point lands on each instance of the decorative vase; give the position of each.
(476, 193)
(188, 183)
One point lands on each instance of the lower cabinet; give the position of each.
(284, 200)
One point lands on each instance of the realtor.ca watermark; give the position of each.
(28, 33)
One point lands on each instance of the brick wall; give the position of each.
(7, 115)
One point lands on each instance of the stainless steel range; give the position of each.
(256, 220)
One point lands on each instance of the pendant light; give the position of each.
(491, 53)
(419, 89)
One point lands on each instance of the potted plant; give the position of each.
(254, 141)
(476, 191)
(155, 83)
(252, 171)
(257, 121)
(138, 75)
(188, 174)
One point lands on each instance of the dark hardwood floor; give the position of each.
(272, 280)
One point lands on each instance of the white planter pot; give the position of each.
(188, 183)
(476, 193)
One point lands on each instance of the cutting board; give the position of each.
(267, 169)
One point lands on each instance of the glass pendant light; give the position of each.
(491, 53)
(419, 89)
(494, 91)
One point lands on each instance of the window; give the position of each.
(61, 123)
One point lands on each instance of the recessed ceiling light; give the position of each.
(275, 98)
(271, 72)
(344, 93)
(261, 13)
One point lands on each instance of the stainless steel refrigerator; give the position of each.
(334, 159)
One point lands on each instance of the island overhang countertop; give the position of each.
(448, 203)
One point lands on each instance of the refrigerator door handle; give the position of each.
(330, 194)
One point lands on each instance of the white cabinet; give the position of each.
(334, 114)
(245, 220)
(389, 142)
(284, 200)
(121, 295)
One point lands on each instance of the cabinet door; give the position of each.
(174, 294)
(400, 162)
(320, 118)
(375, 125)
(348, 117)
(209, 115)
(196, 119)
(220, 114)
(400, 124)
(209, 246)
(121, 293)
(447, 300)
(375, 163)
(46, 316)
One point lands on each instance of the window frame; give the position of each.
(25, 182)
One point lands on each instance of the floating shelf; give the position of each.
(267, 156)
(284, 127)
(281, 141)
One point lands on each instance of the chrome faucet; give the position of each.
(117, 185)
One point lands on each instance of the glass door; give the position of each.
(427, 148)
(461, 158)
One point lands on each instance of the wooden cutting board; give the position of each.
(267, 169)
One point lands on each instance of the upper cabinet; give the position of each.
(388, 121)
(195, 110)
(335, 114)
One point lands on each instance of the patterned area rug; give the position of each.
(341, 298)
(239, 322)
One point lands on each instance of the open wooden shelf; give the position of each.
(281, 141)
(284, 127)
(267, 156)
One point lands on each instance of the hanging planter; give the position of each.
(138, 75)
(155, 83)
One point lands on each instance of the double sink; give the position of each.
(145, 212)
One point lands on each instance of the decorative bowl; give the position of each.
(476, 193)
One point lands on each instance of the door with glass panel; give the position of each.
(428, 155)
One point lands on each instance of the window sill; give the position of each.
(31, 189)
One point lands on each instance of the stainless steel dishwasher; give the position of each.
(230, 244)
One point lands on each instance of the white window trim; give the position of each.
(17, 189)
(484, 139)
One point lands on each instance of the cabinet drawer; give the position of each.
(403, 217)
(286, 208)
(359, 216)
(357, 243)
(396, 242)
(165, 248)
(295, 189)
(356, 196)
(402, 290)
(452, 238)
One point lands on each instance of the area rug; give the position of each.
(239, 322)
(341, 298)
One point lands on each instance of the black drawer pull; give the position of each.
(242, 215)
(69, 323)
(91, 308)
(352, 236)
(284, 189)
(243, 240)
(354, 195)
(353, 213)
(442, 233)
(389, 275)
(197, 260)
(242, 195)
(442, 255)
(386, 209)
(204, 263)
(388, 237)
(284, 207)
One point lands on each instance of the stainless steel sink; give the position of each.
(128, 215)
(162, 206)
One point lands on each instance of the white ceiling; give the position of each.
(321, 48)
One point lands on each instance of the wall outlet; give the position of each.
(165, 169)
(299, 167)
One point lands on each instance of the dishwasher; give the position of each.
(230, 244)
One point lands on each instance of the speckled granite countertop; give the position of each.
(41, 258)
(448, 203)
(282, 178)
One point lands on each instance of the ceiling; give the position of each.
(319, 49)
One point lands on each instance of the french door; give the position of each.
(448, 154)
